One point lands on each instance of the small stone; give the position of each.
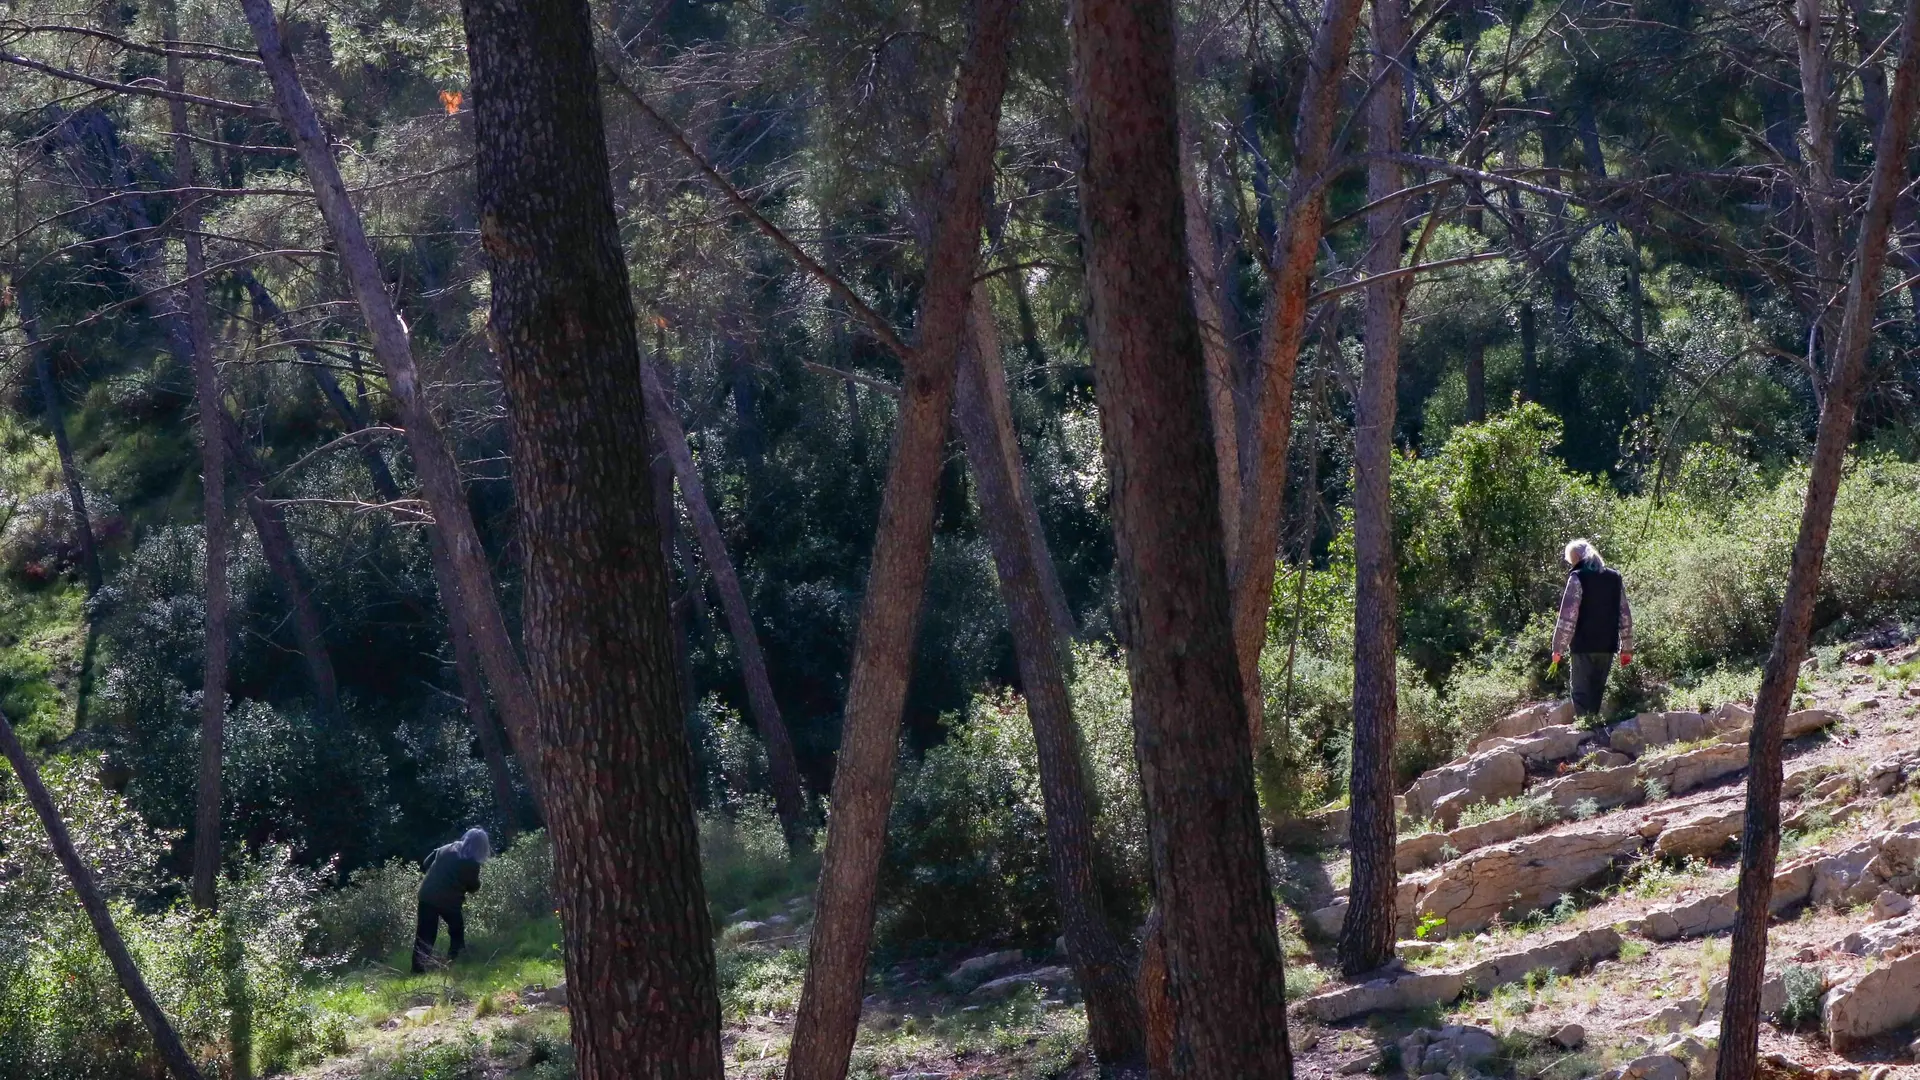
(1365, 1062)
(1569, 1037)
(1414, 949)
(417, 1013)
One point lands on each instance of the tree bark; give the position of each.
(165, 1039)
(1189, 711)
(1760, 838)
(69, 468)
(984, 334)
(276, 543)
(1366, 939)
(862, 794)
(433, 462)
(1204, 259)
(1113, 1012)
(789, 797)
(619, 802)
(1263, 499)
(213, 483)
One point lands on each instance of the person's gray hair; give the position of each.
(476, 845)
(1583, 551)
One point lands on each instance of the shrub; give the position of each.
(967, 858)
(372, 916)
(744, 858)
(516, 887)
(1805, 986)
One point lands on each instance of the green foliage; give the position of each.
(1805, 986)
(62, 1013)
(1538, 808)
(967, 856)
(745, 861)
(1478, 529)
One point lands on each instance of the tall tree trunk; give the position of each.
(1760, 838)
(1366, 940)
(1113, 1014)
(789, 797)
(433, 462)
(1189, 712)
(276, 543)
(165, 1039)
(619, 800)
(69, 468)
(862, 794)
(213, 482)
(1263, 498)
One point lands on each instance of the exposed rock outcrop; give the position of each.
(1409, 990)
(1522, 875)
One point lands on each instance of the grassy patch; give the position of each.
(509, 961)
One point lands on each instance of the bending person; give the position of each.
(453, 871)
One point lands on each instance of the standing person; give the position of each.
(453, 871)
(1595, 623)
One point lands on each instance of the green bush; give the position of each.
(744, 858)
(371, 917)
(1707, 578)
(516, 887)
(967, 856)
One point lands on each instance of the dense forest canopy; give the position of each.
(1490, 277)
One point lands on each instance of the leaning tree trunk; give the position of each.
(1263, 499)
(1366, 939)
(1113, 1013)
(69, 468)
(1190, 716)
(783, 770)
(1208, 294)
(1760, 838)
(466, 659)
(165, 1039)
(433, 462)
(213, 482)
(639, 944)
(276, 544)
(862, 792)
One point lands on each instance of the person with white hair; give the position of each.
(1595, 624)
(453, 871)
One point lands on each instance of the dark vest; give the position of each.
(1598, 628)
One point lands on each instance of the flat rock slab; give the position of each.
(1528, 720)
(1703, 832)
(1715, 912)
(1412, 990)
(1522, 875)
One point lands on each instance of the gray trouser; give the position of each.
(1588, 677)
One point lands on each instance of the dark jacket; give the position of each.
(1597, 630)
(450, 877)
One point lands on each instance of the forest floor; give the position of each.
(498, 1016)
